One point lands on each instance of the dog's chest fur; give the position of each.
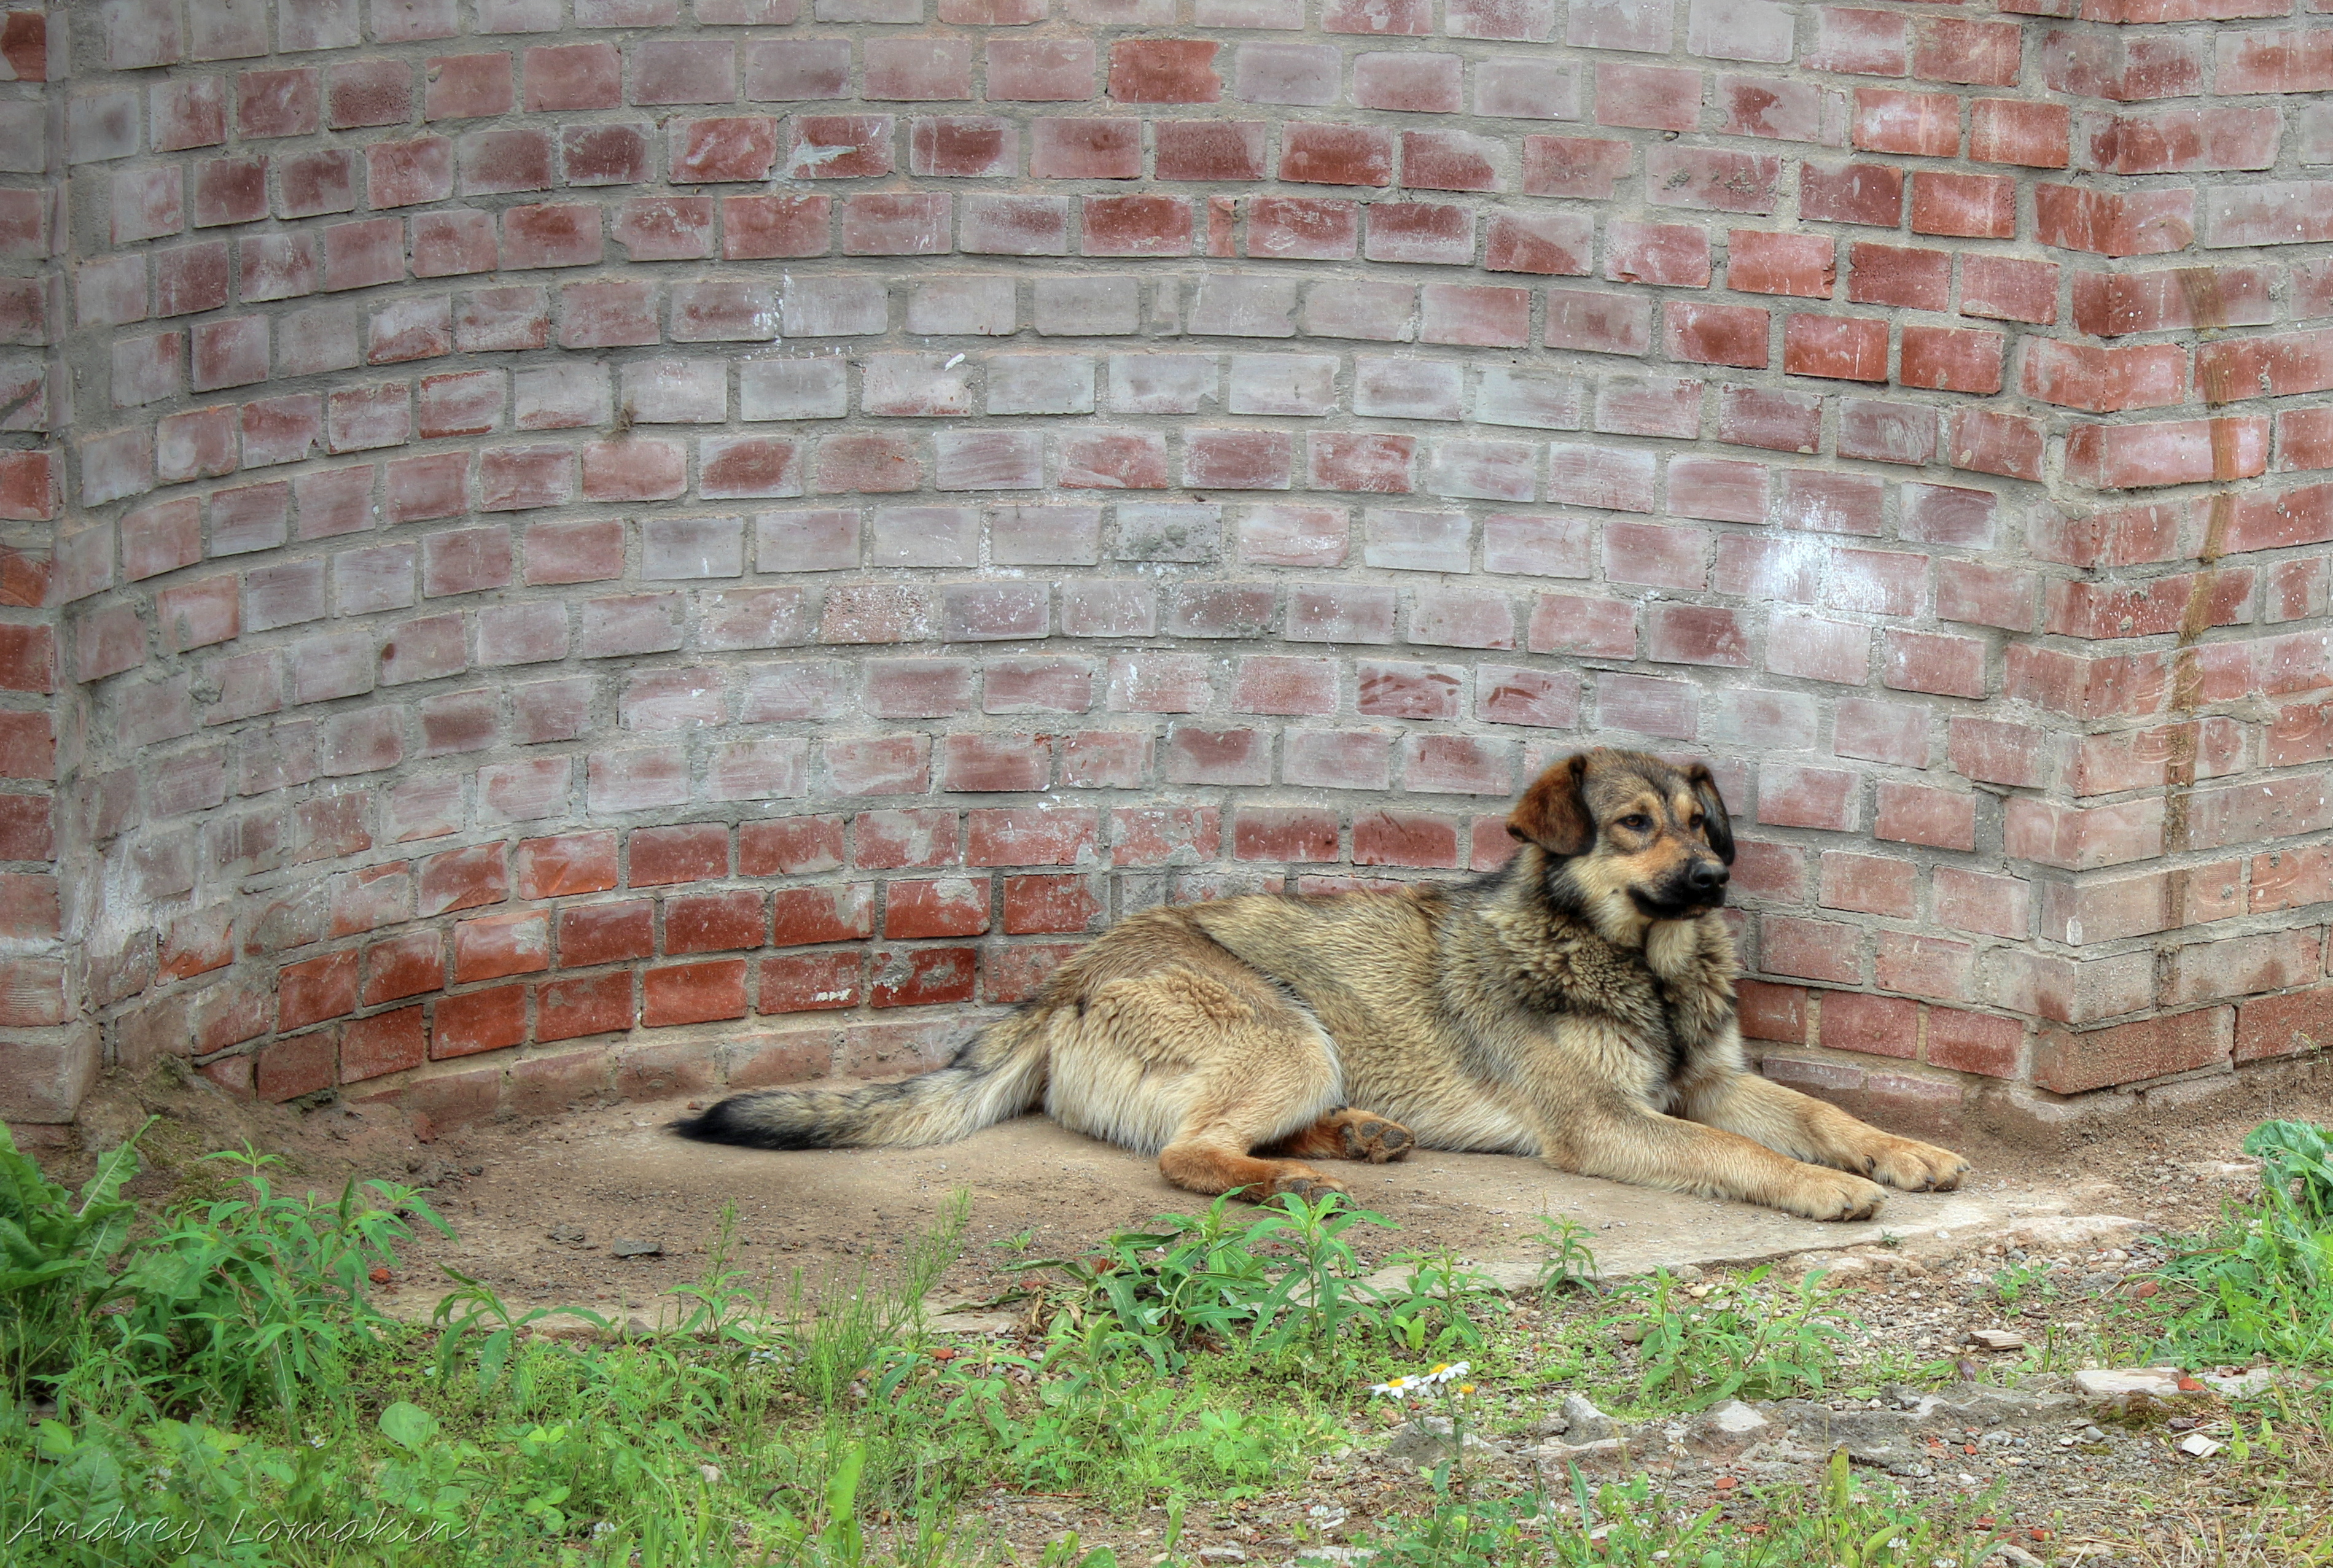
(1672, 1000)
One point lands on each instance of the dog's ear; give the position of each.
(1716, 823)
(1552, 814)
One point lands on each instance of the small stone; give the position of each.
(566, 1235)
(1727, 1429)
(2016, 1556)
(2243, 1385)
(2131, 1388)
(1222, 1554)
(1583, 1422)
(622, 1248)
(1556, 1460)
(1997, 1339)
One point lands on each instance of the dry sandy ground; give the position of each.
(539, 1205)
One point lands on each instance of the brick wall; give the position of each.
(612, 546)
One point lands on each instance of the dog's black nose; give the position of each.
(1707, 876)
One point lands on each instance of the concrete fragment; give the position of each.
(2131, 1388)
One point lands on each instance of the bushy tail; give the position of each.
(999, 1073)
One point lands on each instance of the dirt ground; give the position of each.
(541, 1206)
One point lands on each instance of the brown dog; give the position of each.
(1576, 1005)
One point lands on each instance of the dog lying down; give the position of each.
(1576, 1005)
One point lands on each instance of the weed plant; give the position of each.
(1739, 1342)
(2260, 1285)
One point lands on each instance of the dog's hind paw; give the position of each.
(1375, 1140)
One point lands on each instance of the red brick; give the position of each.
(1573, 165)
(502, 944)
(1040, 905)
(1924, 124)
(963, 147)
(1547, 243)
(1284, 834)
(1870, 194)
(1991, 442)
(1982, 206)
(1872, 1025)
(1408, 83)
(563, 77)
(2069, 1061)
(1670, 253)
(1760, 262)
(1717, 335)
(1864, 43)
(385, 1043)
(755, 228)
(693, 993)
(1210, 149)
(1839, 348)
(713, 922)
(467, 86)
(2006, 288)
(1952, 359)
(595, 155)
(924, 977)
(810, 982)
(1064, 147)
(1164, 70)
(2181, 452)
(2142, 223)
(2284, 1025)
(1817, 950)
(1772, 1012)
(1648, 97)
(2010, 131)
(1974, 53)
(1051, 70)
(486, 1020)
(693, 852)
(1318, 153)
(2105, 381)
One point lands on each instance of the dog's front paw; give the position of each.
(1913, 1166)
(1819, 1194)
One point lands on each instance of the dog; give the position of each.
(1577, 1004)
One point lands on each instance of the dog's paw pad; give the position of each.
(1376, 1142)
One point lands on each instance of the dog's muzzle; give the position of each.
(1697, 889)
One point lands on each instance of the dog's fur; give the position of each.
(1576, 1005)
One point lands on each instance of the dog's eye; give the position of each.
(1697, 820)
(1636, 822)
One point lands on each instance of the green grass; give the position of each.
(210, 1383)
(2260, 1285)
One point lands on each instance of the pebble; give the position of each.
(2133, 1388)
(622, 1247)
(1583, 1422)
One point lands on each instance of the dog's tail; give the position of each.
(999, 1073)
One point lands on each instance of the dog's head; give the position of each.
(1626, 828)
